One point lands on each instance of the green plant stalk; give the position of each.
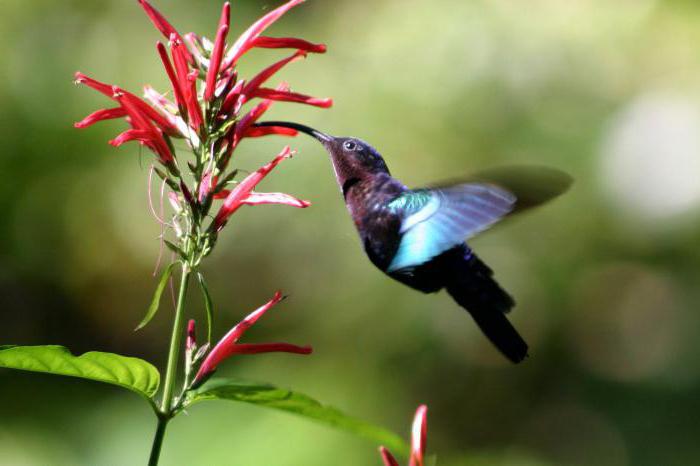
(165, 413)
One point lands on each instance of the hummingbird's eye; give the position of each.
(349, 145)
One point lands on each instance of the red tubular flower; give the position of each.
(162, 24)
(253, 115)
(151, 136)
(215, 63)
(103, 88)
(275, 198)
(174, 82)
(140, 135)
(100, 115)
(387, 457)
(188, 86)
(419, 431)
(232, 102)
(287, 96)
(256, 132)
(237, 196)
(288, 43)
(265, 74)
(228, 345)
(245, 41)
(165, 125)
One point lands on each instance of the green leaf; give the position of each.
(208, 304)
(134, 374)
(155, 303)
(281, 399)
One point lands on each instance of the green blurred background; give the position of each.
(606, 278)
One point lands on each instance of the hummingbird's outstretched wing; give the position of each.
(435, 220)
(439, 218)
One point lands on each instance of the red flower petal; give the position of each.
(256, 348)
(237, 195)
(288, 43)
(111, 91)
(223, 194)
(275, 198)
(287, 96)
(225, 18)
(162, 24)
(245, 41)
(215, 62)
(265, 74)
(149, 113)
(189, 89)
(105, 89)
(231, 102)
(100, 115)
(387, 457)
(418, 436)
(252, 116)
(226, 346)
(140, 121)
(258, 131)
(175, 83)
(140, 135)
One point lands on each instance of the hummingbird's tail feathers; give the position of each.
(474, 288)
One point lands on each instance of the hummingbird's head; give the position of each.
(355, 155)
(352, 158)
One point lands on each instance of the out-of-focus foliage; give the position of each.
(605, 277)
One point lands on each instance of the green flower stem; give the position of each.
(158, 440)
(165, 413)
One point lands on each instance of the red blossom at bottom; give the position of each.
(228, 345)
(419, 431)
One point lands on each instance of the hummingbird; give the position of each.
(418, 236)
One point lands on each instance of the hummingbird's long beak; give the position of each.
(322, 137)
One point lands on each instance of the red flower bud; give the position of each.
(387, 457)
(191, 342)
(418, 436)
(215, 62)
(419, 430)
